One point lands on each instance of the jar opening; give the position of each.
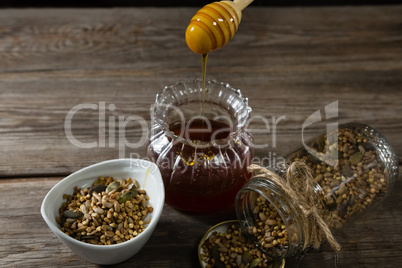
(184, 115)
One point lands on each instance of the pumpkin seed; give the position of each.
(255, 263)
(347, 171)
(113, 186)
(355, 158)
(127, 195)
(246, 257)
(216, 255)
(73, 214)
(124, 197)
(321, 145)
(97, 188)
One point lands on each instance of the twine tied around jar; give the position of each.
(298, 184)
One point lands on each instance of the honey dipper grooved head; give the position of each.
(213, 26)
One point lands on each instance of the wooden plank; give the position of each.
(370, 241)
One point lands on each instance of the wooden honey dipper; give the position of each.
(214, 25)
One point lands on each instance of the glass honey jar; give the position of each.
(321, 187)
(200, 144)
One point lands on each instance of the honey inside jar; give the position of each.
(201, 130)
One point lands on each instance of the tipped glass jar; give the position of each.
(341, 175)
(199, 142)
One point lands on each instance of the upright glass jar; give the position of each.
(335, 178)
(200, 144)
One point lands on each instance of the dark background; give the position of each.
(184, 3)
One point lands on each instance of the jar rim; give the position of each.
(185, 91)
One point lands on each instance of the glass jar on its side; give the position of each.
(348, 170)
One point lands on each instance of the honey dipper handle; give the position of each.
(242, 4)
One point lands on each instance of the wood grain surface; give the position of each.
(289, 62)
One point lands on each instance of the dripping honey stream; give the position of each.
(204, 58)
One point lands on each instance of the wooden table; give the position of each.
(289, 62)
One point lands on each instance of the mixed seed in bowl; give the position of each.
(109, 212)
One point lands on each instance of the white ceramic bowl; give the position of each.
(149, 178)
